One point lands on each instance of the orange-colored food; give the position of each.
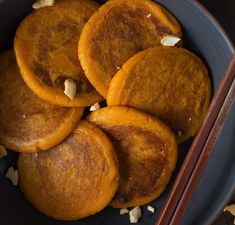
(170, 83)
(46, 51)
(116, 32)
(74, 179)
(146, 149)
(27, 123)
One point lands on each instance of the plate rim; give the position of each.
(231, 46)
(216, 24)
(227, 41)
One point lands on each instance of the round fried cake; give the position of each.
(170, 83)
(74, 179)
(116, 32)
(46, 51)
(27, 123)
(146, 149)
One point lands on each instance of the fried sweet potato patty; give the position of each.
(146, 150)
(46, 51)
(116, 32)
(27, 123)
(74, 179)
(170, 83)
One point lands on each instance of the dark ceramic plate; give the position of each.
(203, 36)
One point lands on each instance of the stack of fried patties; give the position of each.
(73, 55)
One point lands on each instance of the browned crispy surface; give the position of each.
(146, 150)
(170, 83)
(119, 30)
(27, 123)
(75, 179)
(46, 49)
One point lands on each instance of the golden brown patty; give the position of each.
(46, 51)
(117, 31)
(75, 179)
(27, 123)
(146, 149)
(170, 83)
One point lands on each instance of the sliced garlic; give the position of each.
(170, 40)
(135, 214)
(12, 175)
(124, 211)
(43, 3)
(3, 151)
(151, 209)
(95, 107)
(70, 88)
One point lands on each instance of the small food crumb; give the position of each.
(135, 214)
(151, 208)
(124, 211)
(12, 175)
(24, 116)
(118, 67)
(149, 15)
(3, 151)
(35, 154)
(170, 40)
(43, 3)
(95, 107)
(180, 133)
(70, 88)
(190, 119)
(231, 209)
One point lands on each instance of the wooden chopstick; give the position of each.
(204, 156)
(174, 206)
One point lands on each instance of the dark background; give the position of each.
(224, 12)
